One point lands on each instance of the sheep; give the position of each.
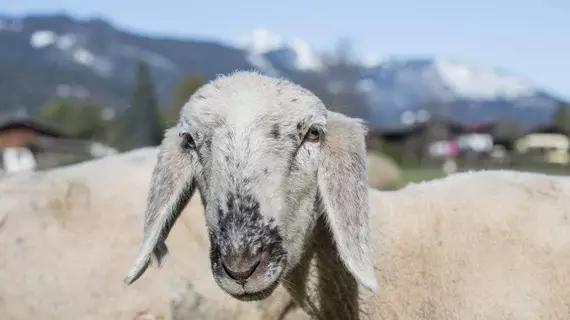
(383, 172)
(284, 191)
(64, 235)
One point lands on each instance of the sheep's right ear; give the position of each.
(171, 187)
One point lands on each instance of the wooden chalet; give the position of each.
(28, 144)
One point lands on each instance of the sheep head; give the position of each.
(268, 159)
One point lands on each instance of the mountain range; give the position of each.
(47, 56)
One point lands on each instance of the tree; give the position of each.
(140, 120)
(182, 92)
(561, 118)
(79, 119)
(508, 131)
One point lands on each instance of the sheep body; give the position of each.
(478, 245)
(383, 172)
(287, 201)
(64, 234)
(481, 245)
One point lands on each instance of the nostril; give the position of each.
(240, 267)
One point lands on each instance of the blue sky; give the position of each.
(528, 38)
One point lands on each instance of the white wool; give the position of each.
(475, 245)
(67, 234)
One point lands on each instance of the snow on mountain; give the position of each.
(479, 83)
(306, 58)
(95, 59)
(69, 46)
(42, 38)
(65, 41)
(260, 43)
(447, 79)
(407, 80)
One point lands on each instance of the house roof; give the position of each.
(44, 128)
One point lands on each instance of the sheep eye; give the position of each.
(187, 141)
(313, 135)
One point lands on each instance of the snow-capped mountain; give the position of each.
(49, 56)
(272, 53)
(452, 79)
(477, 83)
(43, 57)
(393, 86)
(469, 93)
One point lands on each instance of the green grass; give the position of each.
(420, 174)
(417, 175)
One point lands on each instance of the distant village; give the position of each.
(29, 144)
(451, 146)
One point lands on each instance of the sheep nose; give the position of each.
(240, 266)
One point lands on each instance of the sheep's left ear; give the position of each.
(343, 186)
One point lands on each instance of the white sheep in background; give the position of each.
(284, 187)
(65, 235)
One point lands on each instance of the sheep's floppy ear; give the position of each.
(171, 187)
(343, 188)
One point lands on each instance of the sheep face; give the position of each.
(258, 156)
(259, 152)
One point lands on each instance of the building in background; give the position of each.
(27, 144)
(548, 147)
